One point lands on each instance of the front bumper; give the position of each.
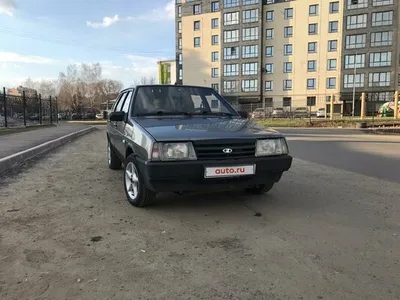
(189, 175)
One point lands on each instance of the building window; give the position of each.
(250, 2)
(250, 34)
(231, 86)
(196, 25)
(269, 85)
(350, 80)
(334, 7)
(269, 33)
(288, 31)
(249, 51)
(384, 38)
(214, 39)
(312, 47)
(180, 58)
(197, 9)
(250, 15)
(214, 72)
(180, 76)
(231, 70)
(178, 1)
(268, 102)
(333, 26)
(250, 85)
(332, 45)
(311, 100)
(179, 11)
(231, 53)
(231, 3)
(214, 56)
(312, 29)
(311, 66)
(215, 6)
(313, 10)
(287, 67)
(215, 86)
(287, 85)
(379, 79)
(179, 27)
(351, 4)
(196, 42)
(288, 49)
(288, 13)
(332, 64)
(354, 61)
(331, 83)
(249, 68)
(380, 59)
(231, 36)
(269, 51)
(214, 23)
(382, 2)
(270, 16)
(231, 18)
(269, 68)
(311, 83)
(180, 43)
(383, 18)
(356, 21)
(356, 41)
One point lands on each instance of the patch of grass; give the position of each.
(11, 130)
(327, 123)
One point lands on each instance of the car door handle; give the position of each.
(115, 124)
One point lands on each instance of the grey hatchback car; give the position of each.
(171, 138)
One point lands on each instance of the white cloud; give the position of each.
(165, 13)
(7, 7)
(20, 58)
(107, 21)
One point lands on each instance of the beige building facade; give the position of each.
(279, 53)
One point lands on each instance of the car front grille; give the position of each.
(214, 150)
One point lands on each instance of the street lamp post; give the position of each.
(354, 84)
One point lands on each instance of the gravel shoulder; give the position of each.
(67, 232)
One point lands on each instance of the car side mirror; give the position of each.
(117, 116)
(243, 114)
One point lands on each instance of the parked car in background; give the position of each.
(300, 112)
(321, 113)
(178, 138)
(278, 113)
(259, 113)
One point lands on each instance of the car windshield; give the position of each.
(179, 100)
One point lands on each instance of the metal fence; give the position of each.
(364, 105)
(27, 110)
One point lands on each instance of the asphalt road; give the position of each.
(346, 149)
(67, 232)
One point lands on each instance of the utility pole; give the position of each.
(354, 84)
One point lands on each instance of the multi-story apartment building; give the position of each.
(167, 71)
(370, 51)
(289, 53)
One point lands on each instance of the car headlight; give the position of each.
(173, 151)
(269, 147)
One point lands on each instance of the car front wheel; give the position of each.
(136, 192)
(261, 188)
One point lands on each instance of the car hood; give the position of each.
(200, 128)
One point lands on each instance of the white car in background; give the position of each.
(321, 113)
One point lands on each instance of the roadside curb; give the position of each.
(8, 162)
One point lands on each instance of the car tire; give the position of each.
(136, 192)
(114, 163)
(261, 188)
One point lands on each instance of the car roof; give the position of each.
(164, 85)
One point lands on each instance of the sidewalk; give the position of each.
(14, 143)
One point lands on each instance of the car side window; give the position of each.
(127, 102)
(120, 103)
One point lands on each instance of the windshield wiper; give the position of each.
(162, 113)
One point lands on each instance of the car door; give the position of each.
(120, 129)
(112, 125)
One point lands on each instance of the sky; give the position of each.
(40, 38)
